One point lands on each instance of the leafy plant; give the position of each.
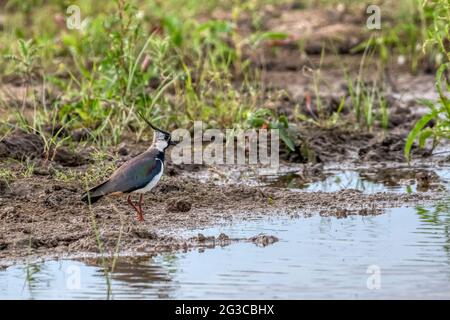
(266, 118)
(438, 38)
(26, 59)
(439, 113)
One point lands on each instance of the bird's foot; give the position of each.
(140, 217)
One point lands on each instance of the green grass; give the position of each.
(438, 38)
(101, 79)
(172, 61)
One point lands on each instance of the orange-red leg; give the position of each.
(141, 212)
(138, 208)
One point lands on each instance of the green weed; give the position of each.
(438, 38)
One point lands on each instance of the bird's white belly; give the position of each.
(152, 183)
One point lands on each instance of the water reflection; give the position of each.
(437, 221)
(366, 180)
(86, 279)
(316, 257)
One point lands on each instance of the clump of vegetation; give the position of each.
(176, 70)
(177, 63)
(267, 119)
(439, 115)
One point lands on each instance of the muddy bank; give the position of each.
(326, 145)
(20, 145)
(313, 144)
(40, 216)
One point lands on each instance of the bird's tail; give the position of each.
(88, 198)
(94, 194)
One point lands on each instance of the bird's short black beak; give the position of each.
(173, 143)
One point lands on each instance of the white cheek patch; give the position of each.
(161, 145)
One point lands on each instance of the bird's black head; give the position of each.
(161, 139)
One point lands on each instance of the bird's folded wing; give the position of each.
(134, 174)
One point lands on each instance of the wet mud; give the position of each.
(21, 145)
(40, 216)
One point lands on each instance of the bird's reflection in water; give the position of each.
(141, 277)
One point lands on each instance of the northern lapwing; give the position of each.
(137, 175)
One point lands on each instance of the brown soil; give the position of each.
(21, 146)
(40, 216)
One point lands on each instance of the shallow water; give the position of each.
(365, 179)
(404, 253)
